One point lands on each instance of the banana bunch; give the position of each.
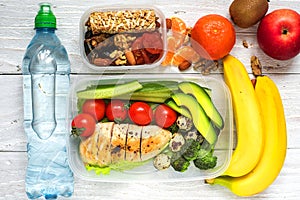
(248, 118)
(263, 165)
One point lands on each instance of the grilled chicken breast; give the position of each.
(118, 142)
(153, 140)
(112, 143)
(133, 143)
(96, 149)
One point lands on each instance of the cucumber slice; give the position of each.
(143, 98)
(109, 91)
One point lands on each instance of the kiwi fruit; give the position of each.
(246, 13)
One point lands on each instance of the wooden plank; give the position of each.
(13, 40)
(12, 136)
(15, 48)
(13, 167)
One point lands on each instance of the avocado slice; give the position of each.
(183, 111)
(204, 100)
(199, 117)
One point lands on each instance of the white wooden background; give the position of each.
(16, 30)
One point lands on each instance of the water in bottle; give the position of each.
(46, 70)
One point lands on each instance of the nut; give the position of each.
(169, 23)
(115, 54)
(102, 61)
(121, 60)
(123, 41)
(130, 57)
(206, 66)
(184, 65)
(94, 43)
(245, 44)
(157, 24)
(256, 66)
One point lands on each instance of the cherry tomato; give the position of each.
(164, 116)
(116, 110)
(94, 107)
(83, 125)
(152, 42)
(140, 113)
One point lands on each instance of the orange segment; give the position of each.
(173, 43)
(177, 60)
(179, 29)
(185, 53)
(178, 25)
(168, 59)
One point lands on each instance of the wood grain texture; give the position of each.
(13, 165)
(16, 31)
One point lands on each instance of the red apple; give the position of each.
(278, 34)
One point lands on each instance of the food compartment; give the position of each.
(197, 144)
(119, 38)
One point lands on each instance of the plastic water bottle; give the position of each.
(46, 70)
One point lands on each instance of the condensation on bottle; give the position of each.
(46, 70)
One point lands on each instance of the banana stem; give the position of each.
(225, 181)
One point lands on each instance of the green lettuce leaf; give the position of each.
(120, 166)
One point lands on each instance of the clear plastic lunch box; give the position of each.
(117, 68)
(221, 98)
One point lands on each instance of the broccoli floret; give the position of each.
(179, 163)
(191, 149)
(173, 128)
(206, 160)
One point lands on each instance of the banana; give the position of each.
(247, 116)
(275, 143)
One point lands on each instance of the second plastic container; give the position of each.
(223, 148)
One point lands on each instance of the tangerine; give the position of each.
(213, 36)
